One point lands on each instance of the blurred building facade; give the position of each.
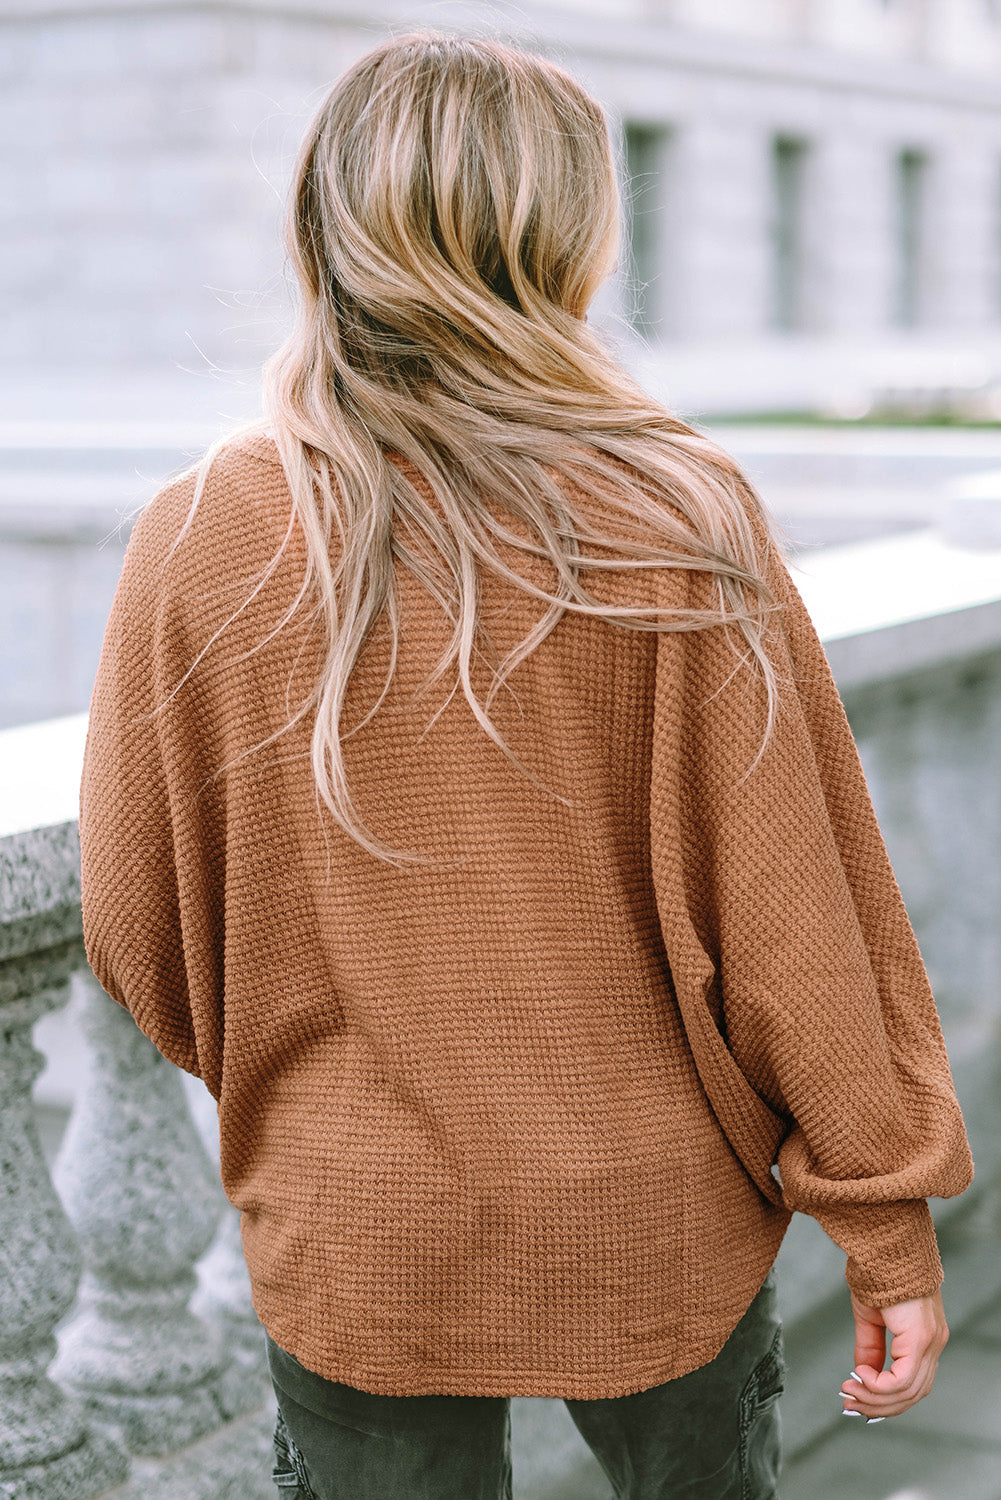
(815, 196)
(813, 216)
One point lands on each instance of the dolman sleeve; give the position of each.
(799, 974)
(152, 938)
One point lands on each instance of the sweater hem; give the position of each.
(628, 1378)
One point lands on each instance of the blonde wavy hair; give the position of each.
(454, 208)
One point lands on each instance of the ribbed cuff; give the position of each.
(891, 1247)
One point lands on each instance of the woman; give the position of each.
(469, 803)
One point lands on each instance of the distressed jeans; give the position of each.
(713, 1434)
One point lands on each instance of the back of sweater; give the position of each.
(505, 1124)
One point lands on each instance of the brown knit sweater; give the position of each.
(507, 1127)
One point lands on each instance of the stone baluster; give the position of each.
(145, 1203)
(47, 1449)
(224, 1292)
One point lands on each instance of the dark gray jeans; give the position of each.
(711, 1435)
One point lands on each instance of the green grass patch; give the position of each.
(870, 419)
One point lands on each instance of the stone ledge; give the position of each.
(40, 768)
(901, 604)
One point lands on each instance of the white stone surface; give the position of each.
(40, 767)
(857, 590)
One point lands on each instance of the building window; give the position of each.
(645, 149)
(911, 193)
(787, 193)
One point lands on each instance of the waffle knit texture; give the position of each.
(508, 1127)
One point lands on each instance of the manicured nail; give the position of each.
(875, 1419)
(849, 1413)
(855, 1376)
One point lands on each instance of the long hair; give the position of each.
(454, 207)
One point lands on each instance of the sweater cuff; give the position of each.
(891, 1247)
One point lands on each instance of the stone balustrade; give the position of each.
(131, 1361)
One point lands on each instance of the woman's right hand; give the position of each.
(918, 1334)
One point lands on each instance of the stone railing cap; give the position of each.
(40, 768)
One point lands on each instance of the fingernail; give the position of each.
(855, 1376)
(875, 1419)
(848, 1413)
